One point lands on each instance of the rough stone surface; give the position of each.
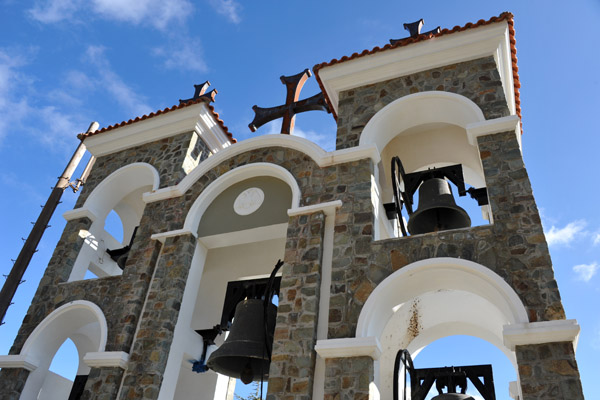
(293, 359)
(102, 383)
(12, 382)
(549, 371)
(477, 80)
(348, 378)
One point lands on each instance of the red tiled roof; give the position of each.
(82, 136)
(505, 16)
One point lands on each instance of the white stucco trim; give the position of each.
(419, 109)
(79, 213)
(470, 44)
(60, 311)
(497, 125)
(541, 332)
(244, 236)
(349, 347)
(107, 359)
(316, 153)
(194, 118)
(162, 236)
(19, 361)
(378, 308)
(327, 208)
(239, 174)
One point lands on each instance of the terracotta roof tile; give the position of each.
(82, 136)
(505, 16)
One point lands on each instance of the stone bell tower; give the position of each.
(437, 99)
(204, 216)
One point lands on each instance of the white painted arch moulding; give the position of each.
(401, 286)
(419, 109)
(321, 157)
(121, 182)
(239, 174)
(54, 319)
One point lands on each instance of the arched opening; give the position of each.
(242, 226)
(118, 206)
(427, 130)
(83, 325)
(432, 299)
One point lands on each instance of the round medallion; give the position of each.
(248, 201)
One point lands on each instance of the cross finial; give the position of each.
(200, 93)
(414, 29)
(292, 106)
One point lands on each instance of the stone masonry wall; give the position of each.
(348, 378)
(12, 382)
(477, 80)
(549, 372)
(150, 351)
(293, 359)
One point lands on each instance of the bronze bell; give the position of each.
(437, 209)
(244, 353)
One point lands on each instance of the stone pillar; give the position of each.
(348, 378)
(549, 371)
(102, 383)
(293, 361)
(12, 382)
(152, 342)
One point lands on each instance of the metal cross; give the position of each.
(200, 93)
(292, 106)
(414, 28)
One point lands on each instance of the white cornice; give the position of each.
(193, 118)
(18, 361)
(541, 332)
(327, 208)
(106, 359)
(79, 213)
(349, 347)
(162, 236)
(489, 40)
(316, 153)
(504, 124)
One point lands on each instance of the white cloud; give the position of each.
(112, 82)
(565, 235)
(596, 239)
(52, 11)
(585, 272)
(228, 8)
(157, 13)
(186, 55)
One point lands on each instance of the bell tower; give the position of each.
(436, 101)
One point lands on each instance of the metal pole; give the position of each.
(29, 248)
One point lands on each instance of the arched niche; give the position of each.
(120, 192)
(431, 299)
(81, 321)
(427, 129)
(231, 246)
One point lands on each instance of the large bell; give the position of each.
(437, 209)
(244, 355)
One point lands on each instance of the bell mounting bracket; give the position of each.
(449, 378)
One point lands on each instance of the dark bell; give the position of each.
(244, 355)
(437, 209)
(452, 396)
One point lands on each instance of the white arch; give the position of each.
(419, 109)
(432, 275)
(192, 220)
(82, 321)
(118, 185)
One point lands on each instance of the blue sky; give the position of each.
(65, 63)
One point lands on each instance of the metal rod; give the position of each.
(29, 248)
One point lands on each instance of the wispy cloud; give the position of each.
(596, 239)
(567, 234)
(585, 272)
(228, 8)
(326, 142)
(156, 13)
(13, 106)
(122, 93)
(186, 55)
